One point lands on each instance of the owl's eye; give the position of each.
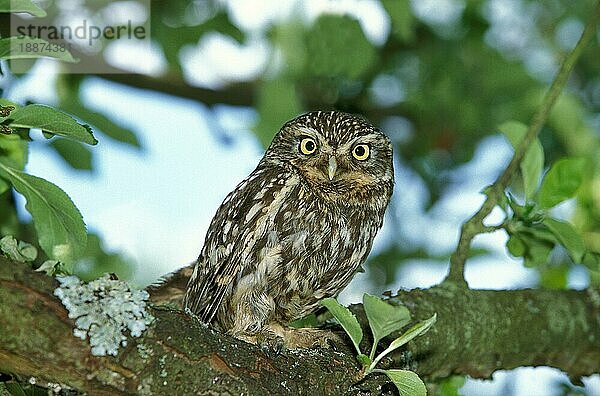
(308, 146)
(361, 152)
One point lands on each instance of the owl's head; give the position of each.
(341, 156)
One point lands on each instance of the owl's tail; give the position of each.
(170, 289)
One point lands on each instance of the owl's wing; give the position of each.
(222, 262)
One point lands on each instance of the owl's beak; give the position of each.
(332, 168)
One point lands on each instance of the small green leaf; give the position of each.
(60, 228)
(24, 47)
(407, 382)
(15, 6)
(537, 252)
(533, 162)
(415, 331)
(336, 46)
(561, 182)
(568, 237)
(363, 359)
(51, 121)
(403, 21)
(277, 102)
(384, 318)
(515, 246)
(346, 319)
(14, 150)
(17, 250)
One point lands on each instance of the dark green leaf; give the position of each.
(407, 382)
(74, 153)
(450, 386)
(60, 228)
(561, 182)
(515, 246)
(51, 121)
(384, 318)
(568, 237)
(337, 46)
(346, 319)
(31, 48)
(363, 359)
(537, 252)
(15, 6)
(14, 150)
(533, 162)
(403, 21)
(554, 277)
(277, 103)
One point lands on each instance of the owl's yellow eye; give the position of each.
(308, 146)
(361, 152)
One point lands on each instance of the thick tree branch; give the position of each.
(477, 332)
(475, 225)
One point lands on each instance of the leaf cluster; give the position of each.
(384, 319)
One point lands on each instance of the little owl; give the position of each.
(297, 229)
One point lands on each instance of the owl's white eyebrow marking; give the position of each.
(309, 131)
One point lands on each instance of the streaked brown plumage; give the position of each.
(297, 228)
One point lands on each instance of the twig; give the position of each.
(474, 225)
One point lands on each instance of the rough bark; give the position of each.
(477, 332)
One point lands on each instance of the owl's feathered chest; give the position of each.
(273, 236)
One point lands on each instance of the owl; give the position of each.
(297, 228)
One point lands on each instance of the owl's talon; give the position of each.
(270, 342)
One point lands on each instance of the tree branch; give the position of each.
(474, 225)
(477, 332)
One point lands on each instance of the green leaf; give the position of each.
(516, 246)
(60, 228)
(554, 277)
(450, 386)
(51, 121)
(24, 47)
(17, 250)
(568, 237)
(14, 150)
(407, 382)
(336, 46)
(15, 6)
(74, 153)
(277, 103)
(561, 182)
(363, 359)
(415, 331)
(384, 318)
(403, 21)
(533, 162)
(346, 319)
